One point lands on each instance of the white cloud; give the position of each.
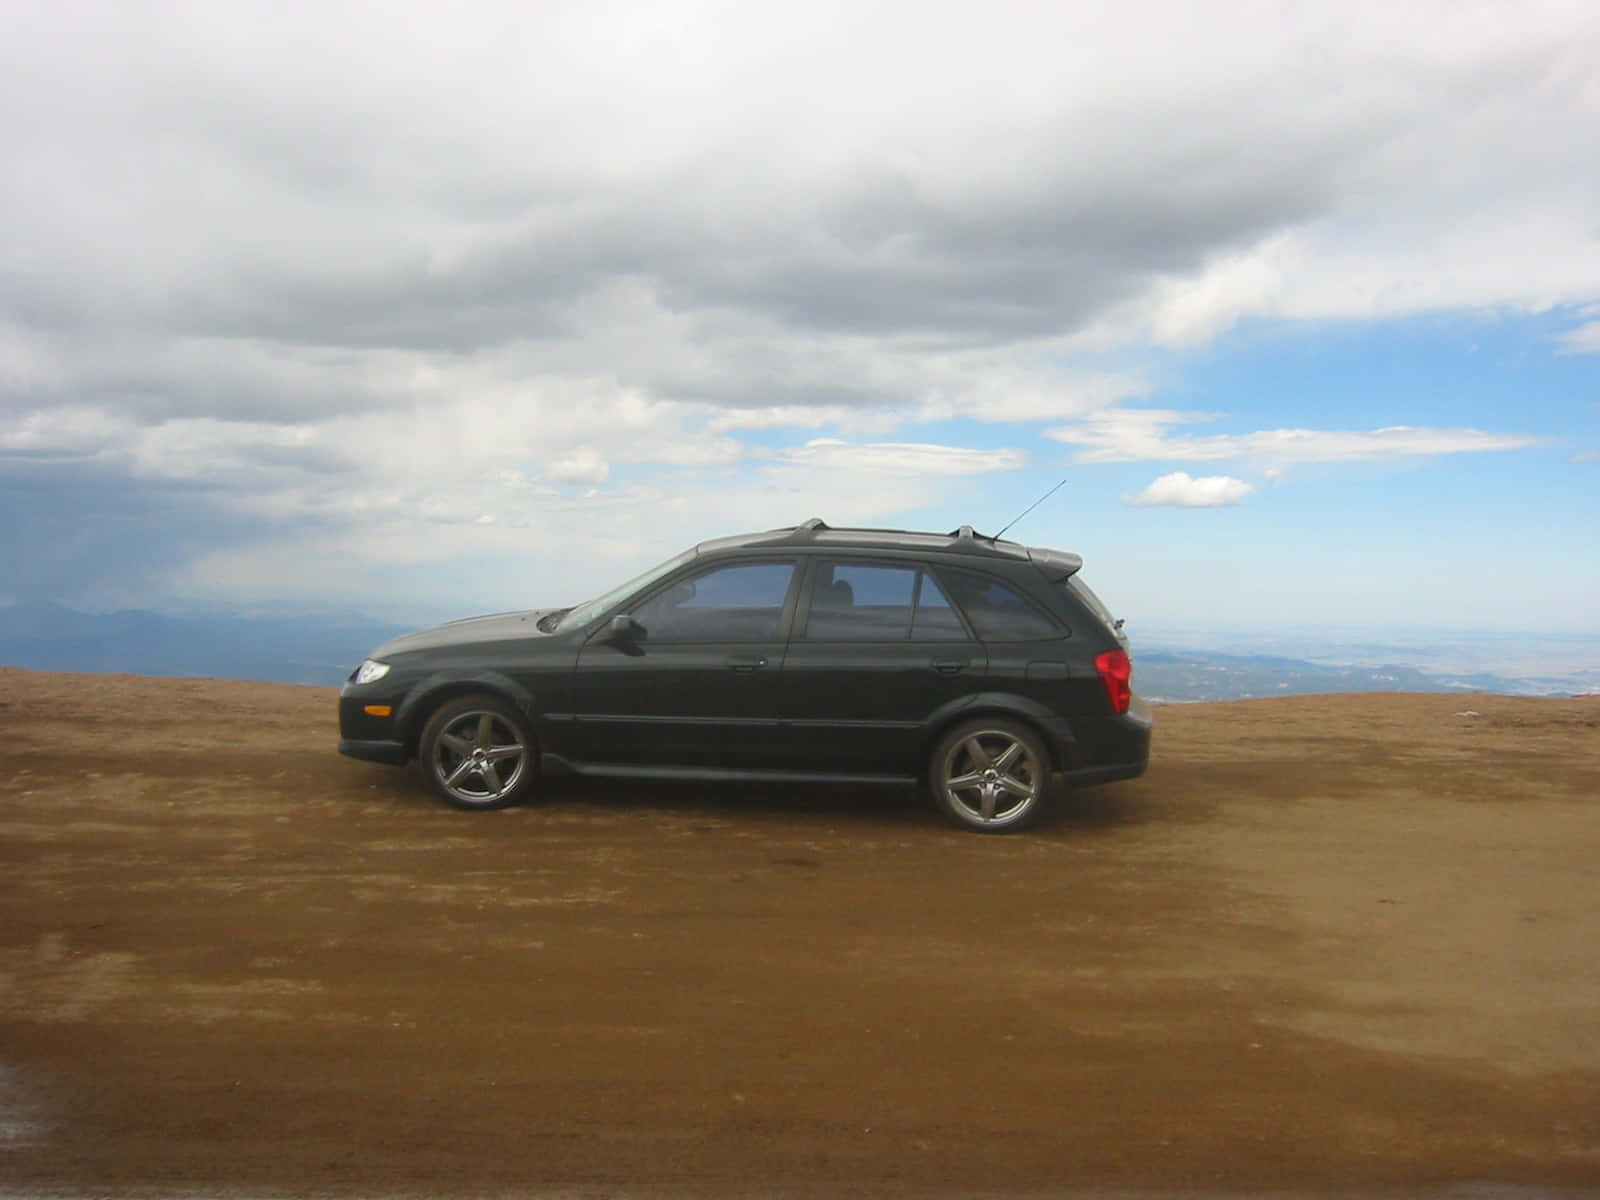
(1140, 435)
(205, 169)
(582, 465)
(981, 387)
(1181, 490)
(1191, 309)
(902, 458)
(1011, 393)
(1585, 339)
(67, 432)
(555, 241)
(805, 416)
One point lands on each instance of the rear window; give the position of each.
(997, 611)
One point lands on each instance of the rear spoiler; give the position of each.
(1057, 565)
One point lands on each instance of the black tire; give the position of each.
(478, 753)
(990, 775)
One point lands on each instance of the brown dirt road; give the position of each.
(1332, 944)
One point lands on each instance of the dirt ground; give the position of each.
(1326, 945)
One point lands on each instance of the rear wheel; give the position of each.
(478, 752)
(990, 775)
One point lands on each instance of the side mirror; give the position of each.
(624, 628)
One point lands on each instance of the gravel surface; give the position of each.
(1327, 945)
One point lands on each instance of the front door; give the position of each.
(698, 686)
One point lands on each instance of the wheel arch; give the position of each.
(1052, 728)
(425, 698)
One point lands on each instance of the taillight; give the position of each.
(1116, 672)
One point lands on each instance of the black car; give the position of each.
(805, 654)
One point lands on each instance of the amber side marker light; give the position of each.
(377, 710)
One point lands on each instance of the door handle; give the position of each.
(950, 666)
(741, 663)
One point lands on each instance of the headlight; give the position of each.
(371, 671)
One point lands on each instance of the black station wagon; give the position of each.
(809, 654)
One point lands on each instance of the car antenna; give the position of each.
(1030, 508)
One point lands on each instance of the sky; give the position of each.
(422, 310)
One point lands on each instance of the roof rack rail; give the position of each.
(808, 528)
(964, 534)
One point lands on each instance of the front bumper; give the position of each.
(379, 751)
(367, 736)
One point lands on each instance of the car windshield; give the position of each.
(589, 610)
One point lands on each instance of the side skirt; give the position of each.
(555, 764)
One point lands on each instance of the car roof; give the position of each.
(964, 541)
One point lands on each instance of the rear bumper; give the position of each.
(1118, 748)
(384, 751)
(1089, 776)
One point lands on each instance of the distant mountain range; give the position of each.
(1181, 676)
(49, 637)
(321, 650)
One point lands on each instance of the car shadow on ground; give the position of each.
(882, 808)
(1109, 807)
(881, 805)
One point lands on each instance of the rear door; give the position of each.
(1029, 649)
(877, 649)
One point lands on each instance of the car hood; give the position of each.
(499, 627)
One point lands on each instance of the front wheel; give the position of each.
(990, 775)
(478, 753)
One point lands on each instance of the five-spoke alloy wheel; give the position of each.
(478, 752)
(990, 775)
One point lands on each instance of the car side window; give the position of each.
(738, 603)
(936, 619)
(998, 612)
(853, 602)
(861, 602)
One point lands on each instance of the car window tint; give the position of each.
(853, 602)
(999, 613)
(741, 603)
(936, 619)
